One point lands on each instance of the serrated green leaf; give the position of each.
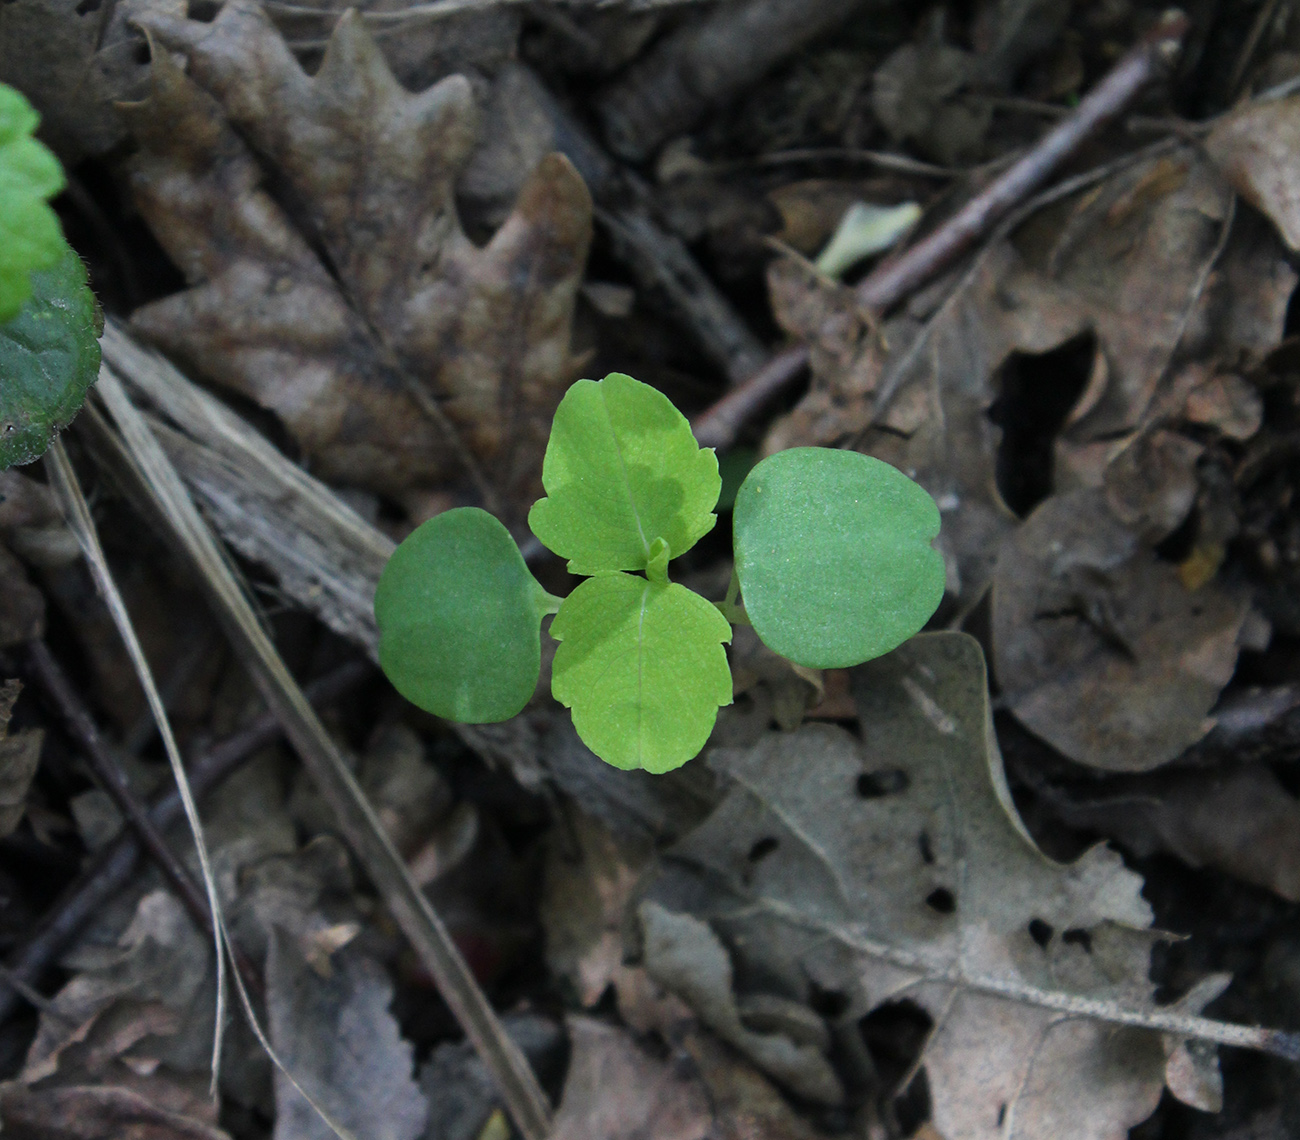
(459, 619)
(833, 556)
(49, 357)
(641, 665)
(30, 236)
(622, 469)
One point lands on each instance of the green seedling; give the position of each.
(834, 566)
(49, 319)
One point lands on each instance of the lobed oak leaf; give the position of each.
(331, 316)
(896, 869)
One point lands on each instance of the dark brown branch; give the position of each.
(895, 279)
(112, 868)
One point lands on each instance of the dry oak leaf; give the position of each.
(894, 868)
(398, 295)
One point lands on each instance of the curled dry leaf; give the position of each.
(894, 869)
(1099, 647)
(405, 299)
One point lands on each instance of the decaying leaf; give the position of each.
(20, 755)
(137, 1016)
(1256, 149)
(1100, 648)
(1242, 821)
(616, 1091)
(407, 299)
(96, 1113)
(336, 1036)
(895, 869)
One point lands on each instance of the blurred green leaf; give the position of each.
(49, 357)
(30, 235)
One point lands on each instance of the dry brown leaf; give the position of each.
(617, 1091)
(1226, 402)
(590, 878)
(1243, 822)
(96, 1113)
(1099, 647)
(337, 1037)
(1258, 150)
(937, 428)
(406, 298)
(894, 869)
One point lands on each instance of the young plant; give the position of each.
(833, 565)
(49, 320)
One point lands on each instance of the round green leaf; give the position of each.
(833, 556)
(30, 236)
(460, 618)
(49, 357)
(641, 665)
(621, 470)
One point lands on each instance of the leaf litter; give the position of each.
(839, 920)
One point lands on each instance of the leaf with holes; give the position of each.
(833, 555)
(895, 869)
(641, 665)
(49, 357)
(460, 619)
(622, 469)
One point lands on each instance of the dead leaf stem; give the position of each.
(895, 279)
(1278, 1042)
(356, 817)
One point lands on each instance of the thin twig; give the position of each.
(77, 513)
(158, 480)
(892, 281)
(897, 278)
(50, 676)
(1278, 1042)
(111, 868)
(898, 372)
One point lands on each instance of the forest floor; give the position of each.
(1035, 874)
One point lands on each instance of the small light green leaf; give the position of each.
(863, 230)
(30, 236)
(622, 469)
(49, 357)
(833, 555)
(460, 618)
(641, 665)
